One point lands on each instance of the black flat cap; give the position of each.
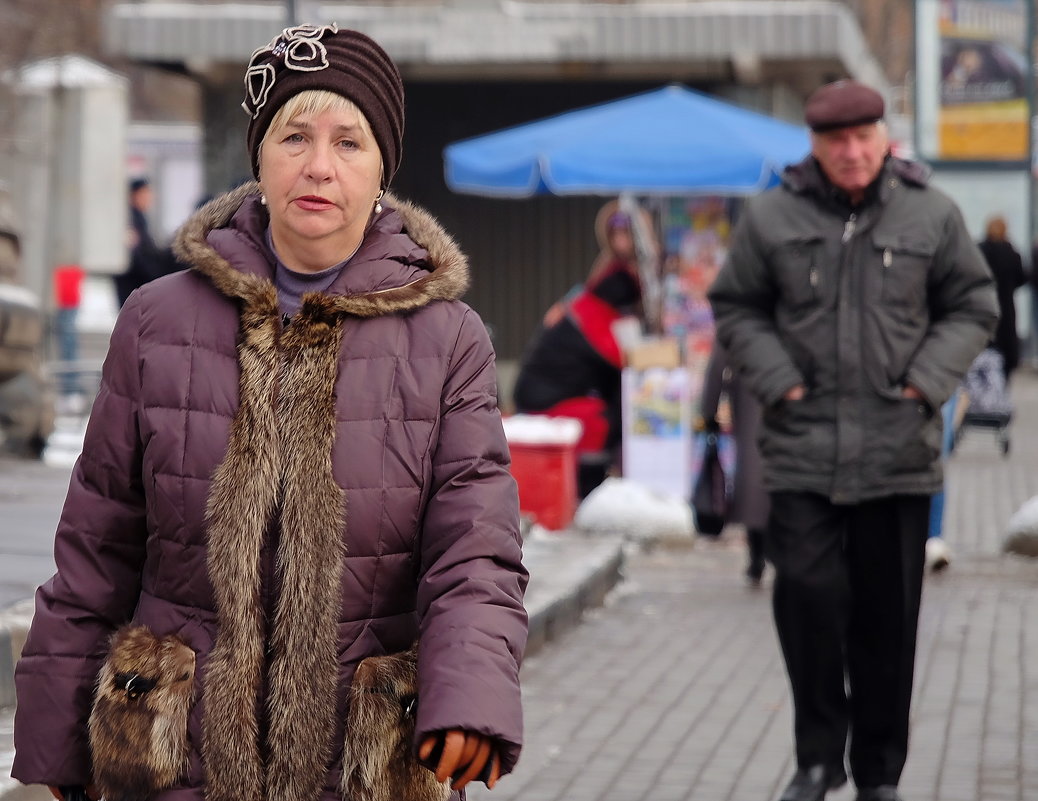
(841, 105)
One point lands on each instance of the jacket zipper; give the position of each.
(848, 228)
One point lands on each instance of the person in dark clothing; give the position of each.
(572, 367)
(147, 260)
(750, 503)
(1008, 269)
(852, 303)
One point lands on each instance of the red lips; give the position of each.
(313, 203)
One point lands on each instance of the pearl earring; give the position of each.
(263, 200)
(378, 198)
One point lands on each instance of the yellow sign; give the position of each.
(984, 109)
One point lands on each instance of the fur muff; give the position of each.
(378, 762)
(138, 726)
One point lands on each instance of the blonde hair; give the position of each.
(313, 102)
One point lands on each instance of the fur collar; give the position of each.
(448, 276)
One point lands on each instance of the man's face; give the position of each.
(851, 157)
(142, 198)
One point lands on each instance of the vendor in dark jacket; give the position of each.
(852, 302)
(572, 367)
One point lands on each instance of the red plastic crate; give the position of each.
(547, 479)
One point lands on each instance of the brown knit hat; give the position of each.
(841, 105)
(341, 61)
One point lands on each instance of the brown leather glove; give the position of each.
(463, 757)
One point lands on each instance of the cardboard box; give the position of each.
(656, 352)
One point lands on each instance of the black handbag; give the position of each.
(710, 492)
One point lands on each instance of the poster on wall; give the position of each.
(983, 112)
(695, 234)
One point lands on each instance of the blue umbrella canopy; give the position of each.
(667, 141)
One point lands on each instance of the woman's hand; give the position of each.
(464, 757)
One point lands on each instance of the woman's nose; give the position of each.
(319, 162)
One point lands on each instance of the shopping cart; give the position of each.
(988, 405)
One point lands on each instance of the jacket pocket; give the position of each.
(905, 264)
(378, 762)
(138, 724)
(799, 270)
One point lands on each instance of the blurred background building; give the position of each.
(470, 67)
(473, 66)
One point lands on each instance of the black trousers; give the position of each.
(848, 581)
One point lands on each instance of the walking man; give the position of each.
(852, 302)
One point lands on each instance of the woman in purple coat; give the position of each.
(289, 564)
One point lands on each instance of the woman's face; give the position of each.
(621, 242)
(320, 174)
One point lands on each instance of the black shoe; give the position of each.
(885, 792)
(755, 547)
(755, 572)
(811, 784)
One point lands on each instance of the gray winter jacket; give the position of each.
(854, 305)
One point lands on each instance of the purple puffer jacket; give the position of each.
(285, 501)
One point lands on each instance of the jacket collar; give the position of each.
(406, 261)
(807, 178)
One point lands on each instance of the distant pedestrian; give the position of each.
(1032, 280)
(68, 283)
(852, 303)
(1008, 269)
(750, 503)
(146, 261)
(938, 554)
(289, 563)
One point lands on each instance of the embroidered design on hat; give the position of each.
(259, 79)
(299, 48)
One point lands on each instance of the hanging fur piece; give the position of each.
(378, 762)
(138, 726)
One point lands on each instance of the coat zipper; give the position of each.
(848, 228)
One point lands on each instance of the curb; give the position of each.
(14, 626)
(583, 571)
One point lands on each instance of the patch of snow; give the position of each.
(622, 506)
(539, 429)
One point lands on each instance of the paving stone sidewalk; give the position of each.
(675, 691)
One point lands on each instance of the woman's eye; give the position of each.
(294, 138)
(348, 144)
